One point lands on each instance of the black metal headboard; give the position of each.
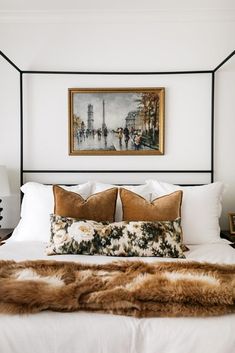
(212, 72)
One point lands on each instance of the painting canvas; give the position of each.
(116, 121)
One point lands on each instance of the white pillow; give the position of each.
(142, 190)
(37, 205)
(200, 212)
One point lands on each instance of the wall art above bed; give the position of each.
(116, 121)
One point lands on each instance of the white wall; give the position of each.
(225, 135)
(120, 37)
(9, 139)
(116, 41)
(187, 127)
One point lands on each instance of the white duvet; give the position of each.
(81, 332)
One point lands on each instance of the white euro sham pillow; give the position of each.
(37, 205)
(142, 190)
(200, 211)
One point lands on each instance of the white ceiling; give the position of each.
(124, 35)
(25, 5)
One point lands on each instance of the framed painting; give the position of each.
(120, 121)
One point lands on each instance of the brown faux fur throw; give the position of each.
(126, 288)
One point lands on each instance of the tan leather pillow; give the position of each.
(97, 207)
(136, 208)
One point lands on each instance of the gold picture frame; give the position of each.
(231, 218)
(116, 121)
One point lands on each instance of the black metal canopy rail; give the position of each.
(38, 72)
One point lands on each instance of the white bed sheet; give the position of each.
(81, 332)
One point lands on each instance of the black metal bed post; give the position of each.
(192, 171)
(212, 124)
(21, 132)
(9, 61)
(116, 73)
(213, 83)
(224, 61)
(21, 112)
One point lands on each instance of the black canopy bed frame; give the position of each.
(212, 72)
(82, 331)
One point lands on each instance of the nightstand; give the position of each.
(227, 235)
(5, 233)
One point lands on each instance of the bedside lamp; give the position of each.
(4, 186)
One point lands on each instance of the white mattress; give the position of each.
(81, 332)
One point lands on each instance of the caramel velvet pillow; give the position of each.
(136, 208)
(97, 207)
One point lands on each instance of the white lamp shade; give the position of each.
(4, 183)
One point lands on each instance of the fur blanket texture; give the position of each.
(131, 288)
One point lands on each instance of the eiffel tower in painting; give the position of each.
(103, 123)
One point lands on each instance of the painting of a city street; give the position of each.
(116, 121)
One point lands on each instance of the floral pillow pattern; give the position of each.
(141, 238)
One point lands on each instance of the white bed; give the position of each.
(81, 332)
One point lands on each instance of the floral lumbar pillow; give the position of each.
(140, 238)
